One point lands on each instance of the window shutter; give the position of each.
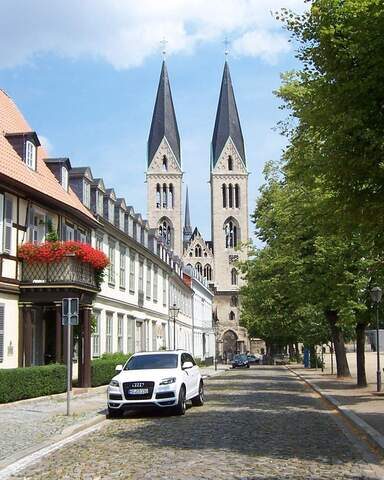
(2, 332)
(8, 224)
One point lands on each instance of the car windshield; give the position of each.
(152, 362)
(240, 357)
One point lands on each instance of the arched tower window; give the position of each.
(158, 196)
(232, 315)
(199, 268)
(237, 196)
(230, 196)
(165, 232)
(230, 163)
(171, 196)
(198, 251)
(234, 276)
(224, 191)
(231, 232)
(165, 196)
(165, 164)
(234, 301)
(208, 272)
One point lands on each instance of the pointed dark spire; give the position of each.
(164, 119)
(187, 230)
(227, 122)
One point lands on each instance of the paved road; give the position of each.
(260, 423)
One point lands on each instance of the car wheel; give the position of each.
(181, 406)
(248, 365)
(198, 401)
(114, 413)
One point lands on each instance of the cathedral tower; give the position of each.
(164, 174)
(229, 204)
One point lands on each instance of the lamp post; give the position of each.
(174, 312)
(376, 294)
(216, 332)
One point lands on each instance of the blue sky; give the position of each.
(87, 85)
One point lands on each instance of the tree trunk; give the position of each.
(338, 342)
(360, 355)
(291, 351)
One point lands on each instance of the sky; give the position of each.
(85, 73)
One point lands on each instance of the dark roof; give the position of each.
(59, 161)
(227, 122)
(164, 119)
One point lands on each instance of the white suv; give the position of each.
(156, 379)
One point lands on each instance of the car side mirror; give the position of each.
(118, 368)
(187, 365)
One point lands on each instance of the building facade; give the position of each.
(215, 260)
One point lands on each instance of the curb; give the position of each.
(374, 436)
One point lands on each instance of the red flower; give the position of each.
(50, 252)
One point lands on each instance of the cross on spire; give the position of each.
(164, 47)
(226, 45)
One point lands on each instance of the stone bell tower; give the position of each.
(164, 174)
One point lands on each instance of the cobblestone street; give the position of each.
(261, 423)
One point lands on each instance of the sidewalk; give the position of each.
(29, 425)
(362, 406)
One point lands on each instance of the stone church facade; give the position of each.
(216, 259)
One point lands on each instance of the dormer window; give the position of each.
(30, 154)
(64, 178)
(86, 194)
(100, 199)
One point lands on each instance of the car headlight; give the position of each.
(114, 383)
(168, 381)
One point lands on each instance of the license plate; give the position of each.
(138, 391)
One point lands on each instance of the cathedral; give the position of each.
(214, 259)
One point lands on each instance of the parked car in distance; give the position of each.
(240, 361)
(166, 379)
(254, 358)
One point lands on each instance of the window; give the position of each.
(141, 275)
(111, 266)
(164, 289)
(234, 276)
(158, 196)
(130, 334)
(198, 251)
(230, 196)
(99, 242)
(165, 232)
(109, 333)
(30, 155)
(122, 267)
(64, 178)
(100, 202)
(237, 196)
(86, 193)
(165, 196)
(208, 272)
(232, 315)
(171, 197)
(155, 283)
(234, 301)
(149, 282)
(230, 163)
(69, 232)
(154, 337)
(224, 190)
(199, 268)
(111, 211)
(121, 218)
(231, 233)
(8, 216)
(120, 330)
(96, 334)
(2, 333)
(132, 267)
(165, 164)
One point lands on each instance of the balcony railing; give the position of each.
(68, 271)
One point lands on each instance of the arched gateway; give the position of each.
(229, 345)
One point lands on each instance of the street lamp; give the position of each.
(376, 295)
(174, 311)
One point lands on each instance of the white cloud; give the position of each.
(125, 32)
